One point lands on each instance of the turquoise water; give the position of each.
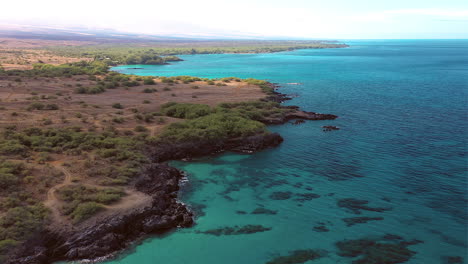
(402, 109)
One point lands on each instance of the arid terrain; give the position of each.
(119, 108)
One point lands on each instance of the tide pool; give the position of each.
(402, 147)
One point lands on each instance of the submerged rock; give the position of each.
(378, 251)
(262, 210)
(298, 256)
(355, 205)
(302, 197)
(321, 228)
(280, 195)
(360, 220)
(452, 260)
(236, 230)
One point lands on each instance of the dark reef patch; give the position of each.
(448, 239)
(355, 206)
(452, 260)
(377, 251)
(298, 256)
(262, 210)
(276, 183)
(235, 230)
(280, 195)
(321, 228)
(302, 197)
(360, 220)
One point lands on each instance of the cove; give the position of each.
(401, 147)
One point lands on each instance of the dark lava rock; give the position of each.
(280, 195)
(167, 151)
(356, 205)
(236, 230)
(298, 256)
(297, 122)
(330, 128)
(360, 220)
(321, 228)
(375, 251)
(262, 210)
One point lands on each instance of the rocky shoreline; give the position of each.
(114, 233)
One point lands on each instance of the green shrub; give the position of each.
(218, 126)
(35, 106)
(90, 90)
(149, 90)
(185, 110)
(117, 106)
(85, 211)
(149, 81)
(141, 129)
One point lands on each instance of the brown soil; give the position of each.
(96, 111)
(12, 58)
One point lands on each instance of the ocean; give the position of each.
(400, 152)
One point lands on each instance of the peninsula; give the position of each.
(84, 150)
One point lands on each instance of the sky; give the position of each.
(324, 19)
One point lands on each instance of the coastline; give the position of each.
(101, 239)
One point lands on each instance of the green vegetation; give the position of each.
(22, 215)
(85, 210)
(64, 70)
(19, 223)
(149, 81)
(149, 90)
(185, 110)
(118, 159)
(255, 110)
(67, 140)
(264, 85)
(227, 120)
(217, 126)
(137, 54)
(117, 106)
(41, 106)
(82, 201)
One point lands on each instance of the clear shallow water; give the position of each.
(402, 145)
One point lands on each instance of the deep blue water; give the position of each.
(402, 108)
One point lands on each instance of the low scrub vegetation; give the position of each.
(185, 110)
(217, 126)
(82, 201)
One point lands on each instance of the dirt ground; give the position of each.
(23, 59)
(96, 110)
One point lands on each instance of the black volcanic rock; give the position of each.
(187, 150)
